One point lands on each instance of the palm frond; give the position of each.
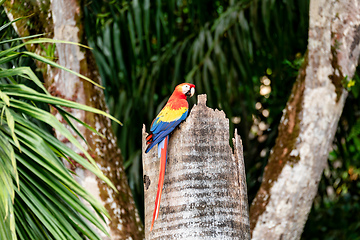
(39, 198)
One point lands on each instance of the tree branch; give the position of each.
(309, 122)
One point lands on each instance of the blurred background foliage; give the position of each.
(232, 51)
(245, 56)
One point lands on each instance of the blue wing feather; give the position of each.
(161, 129)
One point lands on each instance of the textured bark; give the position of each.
(309, 122)
(65, 21)
(204, 195)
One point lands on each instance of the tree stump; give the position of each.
(204, 194)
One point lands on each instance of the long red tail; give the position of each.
(163, 157)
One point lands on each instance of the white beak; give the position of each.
(192, 91)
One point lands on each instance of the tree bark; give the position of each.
(205, 194)
(63, 20)
(309, 122)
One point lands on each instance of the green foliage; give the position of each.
(229, 50)
(245, 56)
(39, 198)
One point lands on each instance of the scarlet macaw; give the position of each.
(173, 113)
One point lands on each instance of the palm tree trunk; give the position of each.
(309, 122)
(204, 194)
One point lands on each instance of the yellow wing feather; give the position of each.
(168, 115)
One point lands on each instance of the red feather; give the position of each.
(163, 157)
(149, 138)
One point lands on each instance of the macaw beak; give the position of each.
(191, 92)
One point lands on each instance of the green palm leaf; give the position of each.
(39, 198)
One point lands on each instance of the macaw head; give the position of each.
(187, 89)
